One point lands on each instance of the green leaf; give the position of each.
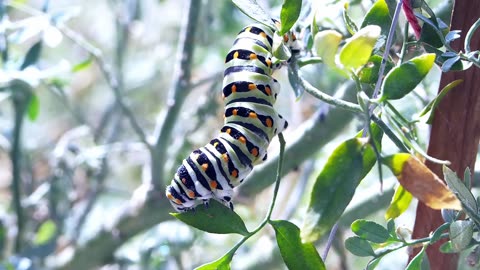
(253, 10)
(289, 14)
(359, 47)
(431, 33)
(467, 178)
(45, 233)
(447, 248)
(82, 65)
(460, 190)
(359, 247)
(295, 254)
(369, 73)
(403, 79)
(216, 218)
(441, 57)
(391, 228)
(326, 45)
(370, 231)
(461, 232)
(334, 187)
(32, 55)
(33, 107)
(373, 263)
(400, 202)
(294, 80)
(416, 262)
(448, 64)
(430, 108)
(351, 26)
(378, 15)
(438, 232)
(221, 264)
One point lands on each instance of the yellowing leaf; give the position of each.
(359, 47)
(326, 45)
(421, 182)
(400, 202)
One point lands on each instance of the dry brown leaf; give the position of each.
(424, 185)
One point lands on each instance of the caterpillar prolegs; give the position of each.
(251, 122)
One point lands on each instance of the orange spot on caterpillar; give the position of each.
(235, 112)
(204, 166)
(215, 144)
(285, 38)
(190, 194)
(294, 37)
(252, 86)
(229, 130)
(234, 173)
(177, 201)
(268, 90)
(269, 62)
(225, 157)
(248, 29)
(252, 115)
(263, 34)
(169, 196)
(235, 55)
(234, 88)
(253, 56)
(213, 184)
(269, 122)
(254, 152)
(242, 140)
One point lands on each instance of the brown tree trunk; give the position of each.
(455, 130)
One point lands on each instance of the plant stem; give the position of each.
(469, 35)
(327, 98)
(388, 45)
(20, 100)
(272, 204)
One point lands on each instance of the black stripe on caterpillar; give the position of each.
(251, 122)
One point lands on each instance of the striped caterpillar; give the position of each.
(251, 122)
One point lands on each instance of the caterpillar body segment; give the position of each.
(250, 123)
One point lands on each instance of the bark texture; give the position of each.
(455, 130)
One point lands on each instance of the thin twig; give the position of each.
(330, 239)
(388, 45)
(20, 99)
(110, 77)
(177, 93)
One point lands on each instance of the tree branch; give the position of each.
(178, 91)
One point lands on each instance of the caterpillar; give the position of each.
(251, 122)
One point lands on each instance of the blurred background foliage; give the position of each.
(82, 164)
